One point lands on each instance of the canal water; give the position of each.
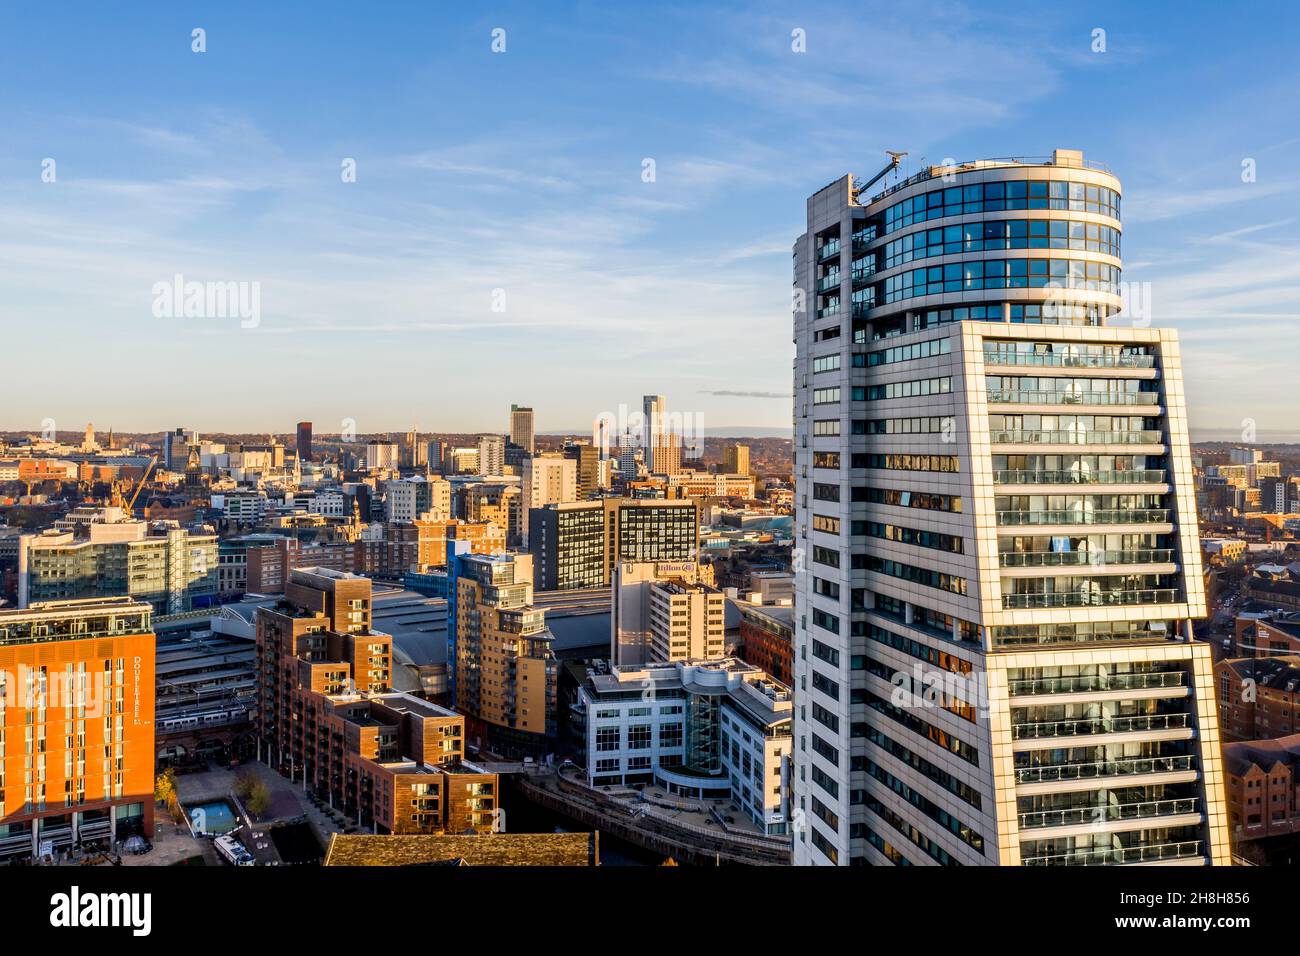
(523, 816)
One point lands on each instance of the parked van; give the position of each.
(233, 852)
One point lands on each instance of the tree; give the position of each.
(258, 798)
(165, 792)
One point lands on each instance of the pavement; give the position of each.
(289, 803)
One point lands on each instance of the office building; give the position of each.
(662, 612)
(76, 725)
(703, 484)
(304, 441)
(737, 460)
(521, 427)
(712, 729)
(547, 479)
(173, 570)
(462, 460)
(995, 499)
(417, 497)
(433, 534)
(587, 458)
(328, 717)
(577, 544)
(503, 669)
(176, 448)
(382, 456)
(500, 505)
(491, 455)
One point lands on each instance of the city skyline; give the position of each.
(229, 165)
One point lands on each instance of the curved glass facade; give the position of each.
(981, 236)
(997, 196)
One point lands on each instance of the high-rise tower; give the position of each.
(522, 427)
(997, 552)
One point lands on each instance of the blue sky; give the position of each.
(522, 171)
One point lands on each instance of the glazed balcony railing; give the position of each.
(828, 311)
(1080, 516)
(828, 250)
(1063, 477)
(1029, 396)
(827, 283)
(1091, 599)
(1151, 853)
(1033, 730)
(1072, 559)
(1108, 813)
(1105, 768)
(1056, 436)
(1093, 682)
(1068, 360)
(1144, 636)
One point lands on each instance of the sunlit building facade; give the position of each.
(997, 552)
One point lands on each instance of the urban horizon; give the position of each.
(750, 440)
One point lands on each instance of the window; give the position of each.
(607, 738)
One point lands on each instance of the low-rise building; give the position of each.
(712, 729)
(1260, 780)
(1259, 696)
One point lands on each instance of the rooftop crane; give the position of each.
(893, 163)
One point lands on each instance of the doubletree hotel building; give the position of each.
(76, 725)
(998, 553)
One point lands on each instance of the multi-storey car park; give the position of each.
(997, 544)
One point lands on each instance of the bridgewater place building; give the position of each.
(997, 552)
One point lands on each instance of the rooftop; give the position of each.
(495, 849)
(1240, 756)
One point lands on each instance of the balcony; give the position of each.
(1067, 360)
(860, 310)
(1034, 730)
(828, 283)
(1015, 602)
(1070, 559)
(1134, 766)
(1152, 853)
(1028, 436)
(1059, 477)
(1081, 516)
(827, 311)
(828, 250)
(1108, 813)
(1096, 682)
(1025, 396)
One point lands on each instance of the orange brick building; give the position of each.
(327, 716)
(77, 712)
(1260, 780)
(1263, 637)
(1258, 696)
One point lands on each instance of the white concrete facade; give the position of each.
(996, 546)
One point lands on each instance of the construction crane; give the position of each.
(894, 158)
(129, 506)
